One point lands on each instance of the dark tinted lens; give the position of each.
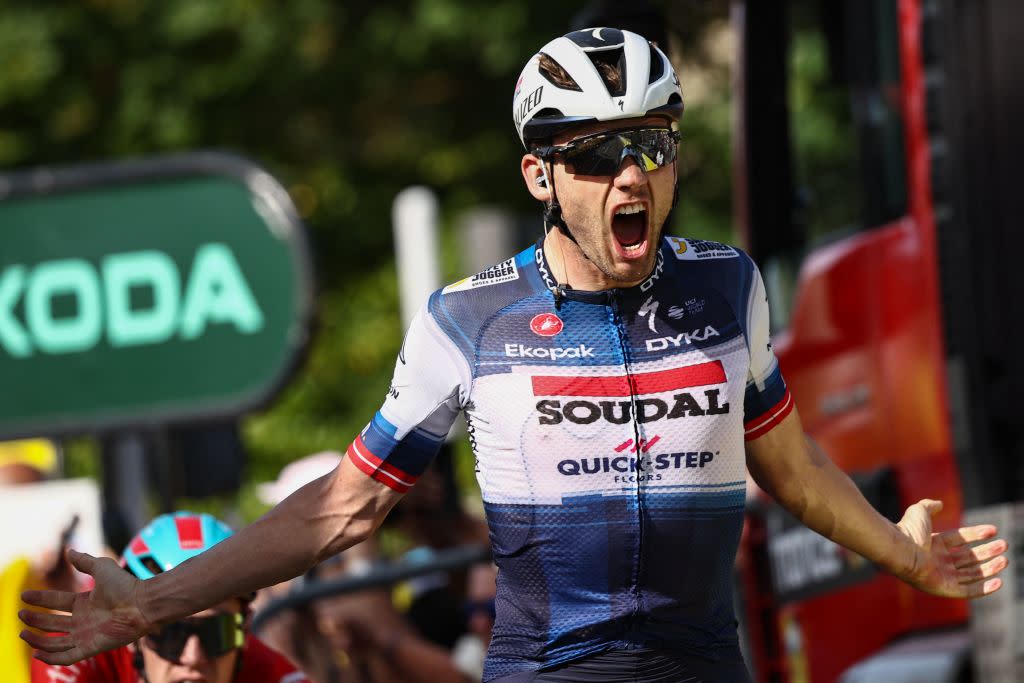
(602, 154)
(218, 635)
(598, 155)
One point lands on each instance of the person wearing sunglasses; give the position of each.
(618, 384)
(211, 646)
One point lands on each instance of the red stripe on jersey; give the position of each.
(138, 546)
(375, 468)
(627, 385)
(190, 532)
(762, 425)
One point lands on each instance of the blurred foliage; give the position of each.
(346, 104)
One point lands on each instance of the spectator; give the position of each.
(211, 646)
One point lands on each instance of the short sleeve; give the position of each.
(428, 389)
(767, 400)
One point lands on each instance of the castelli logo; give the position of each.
(546, 324)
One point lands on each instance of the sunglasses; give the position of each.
(218, 635)
(602, 154)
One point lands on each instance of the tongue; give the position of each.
(629, 229)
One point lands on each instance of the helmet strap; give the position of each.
(552, 209)
(139, 663)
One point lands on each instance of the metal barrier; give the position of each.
(383, 575)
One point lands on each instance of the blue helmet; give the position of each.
(171, 539)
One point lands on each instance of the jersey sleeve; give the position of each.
(767, 400)
(429, 388)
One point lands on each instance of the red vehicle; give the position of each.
(877, 161)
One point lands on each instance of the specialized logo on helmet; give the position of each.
(528, 104)
(546, 324)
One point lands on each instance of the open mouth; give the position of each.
(629, 227)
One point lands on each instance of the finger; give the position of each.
(46, 621)
(968, 534)
(932, 507)
(978, 590)
(47, 643)
(83, 561)
(60, 658)
(965, 557)
(982, 571)
(60, 600)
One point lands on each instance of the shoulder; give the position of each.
(464, 307)
(689, 249)
(725, 267)
(511, 278)
(262, 664)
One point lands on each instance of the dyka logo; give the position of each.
(215, 291)
(546, 324)
(663, 343)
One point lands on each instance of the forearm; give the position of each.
(810, 486)
(318, 520)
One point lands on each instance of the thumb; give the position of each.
(932, 507)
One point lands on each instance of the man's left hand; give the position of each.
(947, 563)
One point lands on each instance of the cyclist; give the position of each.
(617, 383)
(211, 645)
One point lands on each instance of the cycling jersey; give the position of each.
(639, 666)
(260, 664)
(608, 429)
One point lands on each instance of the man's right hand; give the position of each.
(102, 619)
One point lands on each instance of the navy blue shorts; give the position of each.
(639, 666)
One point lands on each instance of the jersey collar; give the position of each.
(545, 272)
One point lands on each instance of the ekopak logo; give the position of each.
(546, 324)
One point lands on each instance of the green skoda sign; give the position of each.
(149, 292)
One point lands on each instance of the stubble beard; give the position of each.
(593, 248)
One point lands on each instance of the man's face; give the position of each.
(601, 211)
(193, 665)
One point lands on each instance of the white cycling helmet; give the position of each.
(540, 108)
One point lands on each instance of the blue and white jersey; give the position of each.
(608, 429)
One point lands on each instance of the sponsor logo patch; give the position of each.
(551, 352)
(505, 271)
(546, 324)
(700, 250)
(682, 338)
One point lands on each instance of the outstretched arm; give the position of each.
(320, 519)
(790, 468)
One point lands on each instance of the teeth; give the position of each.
(629, 208)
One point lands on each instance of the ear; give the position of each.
(532, 168)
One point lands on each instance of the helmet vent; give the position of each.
(556, 75)
(657, 65)
(149, 563)
(611, 64)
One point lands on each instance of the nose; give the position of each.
(192, 654)
(630, 175)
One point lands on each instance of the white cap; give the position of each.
(297, 474)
